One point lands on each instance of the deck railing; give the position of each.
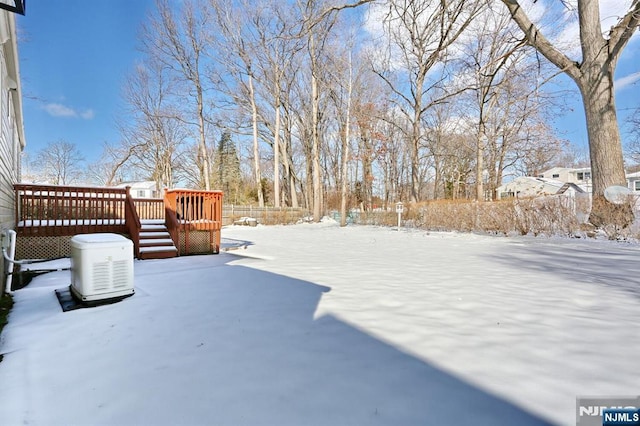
(132, 222)
(194, 210)
(47, 210)
(149, 208)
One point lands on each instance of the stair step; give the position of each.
(152, 222)
(154, 235)
(158, 248)
(155, 241)
(146, 242)
(151, 227)
(158, 255)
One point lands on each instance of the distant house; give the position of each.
(12, 141)
(558, 180)
(145, 189)
(633, 182)
(579, 176)
(582, 177)
(526, 186)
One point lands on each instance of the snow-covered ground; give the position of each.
(320, 325)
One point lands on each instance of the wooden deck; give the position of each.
(55, 211)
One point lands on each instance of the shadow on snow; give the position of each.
(211, 343)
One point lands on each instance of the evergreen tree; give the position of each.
(227, 168)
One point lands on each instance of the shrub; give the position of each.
(551, 215)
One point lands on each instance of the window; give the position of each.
(584, 175)
(555, 176)
(140, 193)
(636, 185)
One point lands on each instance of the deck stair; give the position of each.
(181, 222)
(155, 241)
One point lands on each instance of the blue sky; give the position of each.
(76, 54)
(74, 57)
(571, 124)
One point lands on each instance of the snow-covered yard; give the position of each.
(322, 325)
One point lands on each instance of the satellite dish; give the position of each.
(617, 194)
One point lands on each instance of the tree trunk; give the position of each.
(594, 76)
(276, 159)
(607, 165)
(345, 152)
(315, 145)
(206, 169)
(288, 170)
(345, 179)
(256, 150)
(415, 155)
(479, 168)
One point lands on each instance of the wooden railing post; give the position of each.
(132, 221)
(218, 218)
(171, 218)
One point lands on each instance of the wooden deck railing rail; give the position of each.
(194, 210)
(149, 208)
(47, 210)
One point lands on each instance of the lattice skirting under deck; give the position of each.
(200, 242)
(39, 247)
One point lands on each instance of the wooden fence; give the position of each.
(264, 215)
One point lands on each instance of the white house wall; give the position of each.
(557, 173)
(633, 180)
(145, 189)
(529, 187)
(11, 127)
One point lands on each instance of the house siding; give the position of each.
(11, 134)
(146, 189)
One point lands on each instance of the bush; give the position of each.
(552, 215)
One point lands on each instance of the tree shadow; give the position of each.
(602, 264)
(206, 342)
(227, 244)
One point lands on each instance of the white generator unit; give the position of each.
(101, 267)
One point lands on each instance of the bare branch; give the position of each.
(540, 42)
(621, 33)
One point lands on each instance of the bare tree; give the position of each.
(593, 73)
(345, 136)
(153, 136)
(275, 52)
(239, 47)
(492, 58)
(543, 151)
(317, 21)
(315, 36)
(452, 147)
(633, 147)
(392, 154)
(112, 166)
(180, 42)
(419, 34)
(59, 163)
